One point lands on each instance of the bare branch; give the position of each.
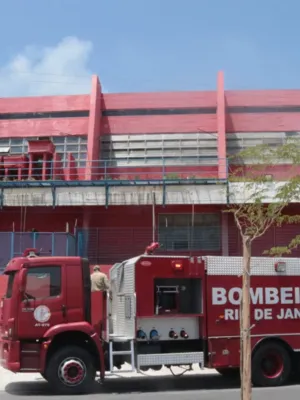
(237, 221)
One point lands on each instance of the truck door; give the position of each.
(43, 302)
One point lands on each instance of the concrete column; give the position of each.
(221, 127)
(93, 145)
(45, 158)
(30, 165)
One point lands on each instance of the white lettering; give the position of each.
(281, 314)
(234, 296)
(219, 296)
(236, 314)
(271, 295)
(286, 295)
(264, 314)
(228, 314)
(258, 314)
(296, 313)
(297, 295)
(257, 295)
(268, 313)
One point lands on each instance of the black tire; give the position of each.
(271, 365)
(232, 373)
(71, 371)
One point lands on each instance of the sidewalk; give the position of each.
(7, 377)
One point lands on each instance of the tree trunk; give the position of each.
(245, 324)
(241, 341)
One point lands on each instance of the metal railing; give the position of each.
(107, 245)
(110, 245)
(13, 244)
(110, 170)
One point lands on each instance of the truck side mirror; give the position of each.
(22, 280)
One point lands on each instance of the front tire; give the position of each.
(71, 371)
(271, 365)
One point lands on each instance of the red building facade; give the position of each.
(138, 139)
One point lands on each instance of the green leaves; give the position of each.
(264, 180)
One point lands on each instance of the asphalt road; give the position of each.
(208, 387)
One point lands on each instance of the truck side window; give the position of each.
(43, 282)
(11, 277)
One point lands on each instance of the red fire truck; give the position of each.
(160, 311)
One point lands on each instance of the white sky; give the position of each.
(61, 69)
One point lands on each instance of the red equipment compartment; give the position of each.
(153, 268)
(164, 290)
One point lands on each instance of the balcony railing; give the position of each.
(110, 171)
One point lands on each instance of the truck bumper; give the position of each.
(10, 355)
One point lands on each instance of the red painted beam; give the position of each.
(43, 127)
(159, 124)
(265, 98)
(125, 101)
(262, 122)
(44, 103)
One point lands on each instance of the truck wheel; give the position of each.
(271, 365)
(70, 371)
(229, 372)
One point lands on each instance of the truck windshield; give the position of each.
(11, 277)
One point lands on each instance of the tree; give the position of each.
(251, 184)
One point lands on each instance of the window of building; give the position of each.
(76, 145)
(187, 232)
(239, 141)
(158, 149)
(159, 111)
(16, 146)
(43, 282)
(42, 115)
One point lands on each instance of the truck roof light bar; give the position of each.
(151, 249)
(30, 253)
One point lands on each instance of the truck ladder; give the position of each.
(115, 338)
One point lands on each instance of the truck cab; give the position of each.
(46, 298)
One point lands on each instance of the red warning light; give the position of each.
(177, 265)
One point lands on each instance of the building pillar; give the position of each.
(45, 162)
(30, 166)
(93, 145)
(224, 234)
(221, 127)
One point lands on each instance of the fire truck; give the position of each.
(160, 311)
